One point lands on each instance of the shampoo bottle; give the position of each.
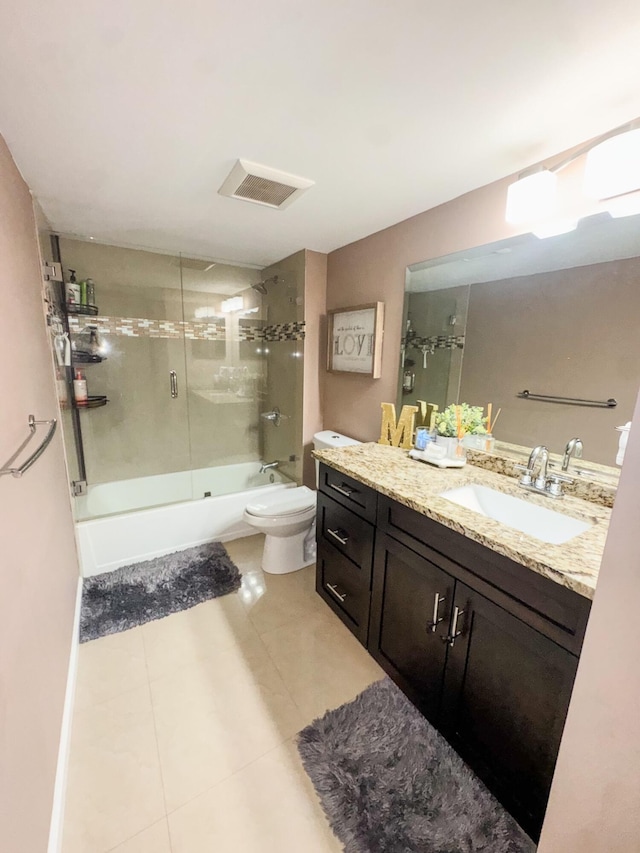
(80, 389)
(73, 289)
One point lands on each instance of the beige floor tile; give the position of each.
(321, 663)
(114, 786)
(155, 839)
(276, 600)
(217, 715)
(267, 807)
(110, 666)
(185, 637)
(246, 553)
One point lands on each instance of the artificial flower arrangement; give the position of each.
(456, 421)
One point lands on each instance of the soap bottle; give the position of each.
(80, 389)
(73, 289)
(83, 292)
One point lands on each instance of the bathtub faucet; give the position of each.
(267, 465)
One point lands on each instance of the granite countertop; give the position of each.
(390, 471)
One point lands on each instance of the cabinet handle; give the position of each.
(437, 619)
(334, 590)
(336, 536)
(173, 383)
(344, 490)
(455, 633)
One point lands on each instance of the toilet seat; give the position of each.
(286, 504)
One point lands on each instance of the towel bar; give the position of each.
(33, 424)
(569, 401)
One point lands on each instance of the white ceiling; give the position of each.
(125, 117)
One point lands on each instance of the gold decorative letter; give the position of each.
(398, 434)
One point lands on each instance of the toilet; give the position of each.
(286, 517)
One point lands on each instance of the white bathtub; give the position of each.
(128, 534)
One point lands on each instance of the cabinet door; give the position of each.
(410, 610)
(505, 699)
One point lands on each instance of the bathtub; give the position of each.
(126, 533)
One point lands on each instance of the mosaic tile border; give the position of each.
(434, 342)
(284, 332)
(136, 327)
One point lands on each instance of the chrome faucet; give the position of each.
(574, 445)
(267, 465)
(543, 483)
(542, 452)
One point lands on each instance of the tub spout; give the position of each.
(267, 465)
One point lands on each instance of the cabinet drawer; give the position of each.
(346, 531)
(341, 585)
(559, 613)
(349, 492)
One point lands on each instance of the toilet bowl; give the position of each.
(285, 518)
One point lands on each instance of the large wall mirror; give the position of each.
(558, 317)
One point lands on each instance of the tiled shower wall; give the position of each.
(144, 321)
(284, 348)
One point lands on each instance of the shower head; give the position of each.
(261, 286)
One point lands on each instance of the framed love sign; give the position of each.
(355, 340)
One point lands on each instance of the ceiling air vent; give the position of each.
(262, 185)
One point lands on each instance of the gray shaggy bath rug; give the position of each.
(133, 595)
(390, 783)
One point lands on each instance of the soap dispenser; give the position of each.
(80, 389)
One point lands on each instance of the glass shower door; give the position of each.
(136, 447)
(225, 375)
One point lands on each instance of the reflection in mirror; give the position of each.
(557, 317)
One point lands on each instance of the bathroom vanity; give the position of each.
(479, 624)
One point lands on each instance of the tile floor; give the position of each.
(184, 729)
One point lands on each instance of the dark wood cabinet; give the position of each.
(346, 534)
(410, 613)
(505, 699)
(486, 648)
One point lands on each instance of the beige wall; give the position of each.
(38, 564)
(595, 797)
(374, 269)
(315, 355)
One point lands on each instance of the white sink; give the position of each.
(537, 521)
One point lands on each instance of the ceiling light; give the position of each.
(531, 199)
(613, 166)
(236, 303)
(204, 313)
(553, 228)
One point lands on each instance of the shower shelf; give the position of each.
(95, 402)
(90, 310)
(87, 358)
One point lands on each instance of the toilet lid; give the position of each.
(283, 502)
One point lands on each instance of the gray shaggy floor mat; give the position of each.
(390, 783)
(133, 595)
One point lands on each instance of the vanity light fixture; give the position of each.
(624, 205)
(612, 176)
(553, 228)
(613, 166)
(531, 198)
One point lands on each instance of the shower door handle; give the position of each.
(173, 383)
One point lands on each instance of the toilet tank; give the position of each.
(327, 439)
